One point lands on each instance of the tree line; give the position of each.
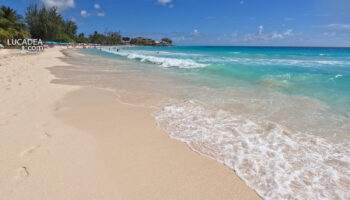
(49, 25)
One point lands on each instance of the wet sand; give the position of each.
(81, 142)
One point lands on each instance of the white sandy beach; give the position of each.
(70, 142)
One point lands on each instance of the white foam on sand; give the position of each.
(277, 164)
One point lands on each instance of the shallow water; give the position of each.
(279, 117)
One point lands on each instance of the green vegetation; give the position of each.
(82, 39)
(142, 41)
(126, 39)
(109, 38)
(149, 42)
(11, 24)
(49, 25)
(167, 41)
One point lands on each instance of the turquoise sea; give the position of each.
(278, 116)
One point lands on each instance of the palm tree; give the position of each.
(11, 24)
(49, 25)
(70, 28)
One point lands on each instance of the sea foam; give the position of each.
(277, 164)
(275, 61)
(162, 61)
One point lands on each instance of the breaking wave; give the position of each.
(275, 61)
(162, 61)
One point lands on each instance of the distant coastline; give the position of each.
(61, 31)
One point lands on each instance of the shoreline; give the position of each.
(83, 143)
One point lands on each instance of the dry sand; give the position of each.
(69, 142)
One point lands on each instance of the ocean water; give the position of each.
(279, 117)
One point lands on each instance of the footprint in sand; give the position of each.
(30, 150)
(46, 135)
(56, 108)
(22, 173)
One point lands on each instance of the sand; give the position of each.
(70, 142)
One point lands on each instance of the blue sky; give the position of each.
(213, 22)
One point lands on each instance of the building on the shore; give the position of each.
(127, 42)
(161, 43)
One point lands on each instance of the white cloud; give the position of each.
(241, 2)
(165, 3)
(344, 27)
(84, 13)
(332, 34)
(195, 32)
(266, 37)
(61, 5)
(288, 32)
(101, 14)
(97, 6)
(261, 28)
(275, 35)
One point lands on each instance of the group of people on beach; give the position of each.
(110, 49)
